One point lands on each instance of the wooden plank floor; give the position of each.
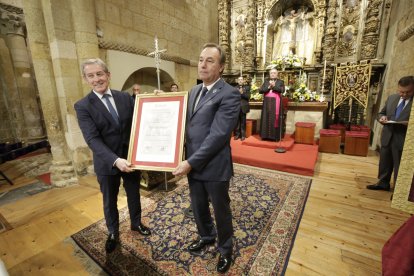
(343, 228)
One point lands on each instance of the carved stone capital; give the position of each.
(11, 20)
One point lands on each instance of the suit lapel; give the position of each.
(213, 92)
(193, 96)
(100, 106)
(407, 109)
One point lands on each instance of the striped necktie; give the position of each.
(111, 108)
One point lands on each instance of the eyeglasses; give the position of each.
(99, 74)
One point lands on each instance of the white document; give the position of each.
(158, 132)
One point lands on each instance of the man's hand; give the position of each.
(182, 169)
(271, 84)
(157, 92)
(383, 119)
(123, 165)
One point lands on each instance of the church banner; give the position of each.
(157, 135)
(352, 82)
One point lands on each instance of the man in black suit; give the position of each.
(397, 108)
(105, 118)
(212, 113)
(240, 131)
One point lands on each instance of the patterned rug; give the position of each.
(267, 207)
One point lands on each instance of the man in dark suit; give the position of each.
(240, 131)
(212, 113)
(105, 118)
(397, 109)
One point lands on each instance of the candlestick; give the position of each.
(324, 70)
(323, 78)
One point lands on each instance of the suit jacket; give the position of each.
(245, 96)
(394, 132)
(278, 88)
(208, 131)
(104, 136)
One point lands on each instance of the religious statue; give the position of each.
(294, 33)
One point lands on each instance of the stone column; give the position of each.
(370, 38)
(25, 113)
(45, 48)
(224, 31)
(86, 45)
(320, 21)
(259, 34)
(249, 45)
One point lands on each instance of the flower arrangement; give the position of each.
(299, 92)
(282, 62)
(254, 92)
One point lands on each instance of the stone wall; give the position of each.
(182, 26)
(63, 33)
(398, 54)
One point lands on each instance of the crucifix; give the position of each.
(157, 56)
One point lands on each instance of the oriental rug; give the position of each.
(267, 207)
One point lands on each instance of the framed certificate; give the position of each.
(157, 134)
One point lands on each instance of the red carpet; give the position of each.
(298, 158)
(256, 141)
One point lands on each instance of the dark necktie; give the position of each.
(203, 93)
(111, 108)
(399, 109)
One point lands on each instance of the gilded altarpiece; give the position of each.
(340, 32)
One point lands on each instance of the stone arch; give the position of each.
(146, 77)
(272, 3)
(124, 65)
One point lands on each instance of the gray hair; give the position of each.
(96, 61)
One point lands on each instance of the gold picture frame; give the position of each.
(157, 133)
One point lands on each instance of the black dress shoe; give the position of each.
(223, 264)
(111, 243)
(199, 244)
(143, 230)
(243, 138)
(236, 137)
(378, 187)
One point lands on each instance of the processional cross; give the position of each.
(157, 56)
